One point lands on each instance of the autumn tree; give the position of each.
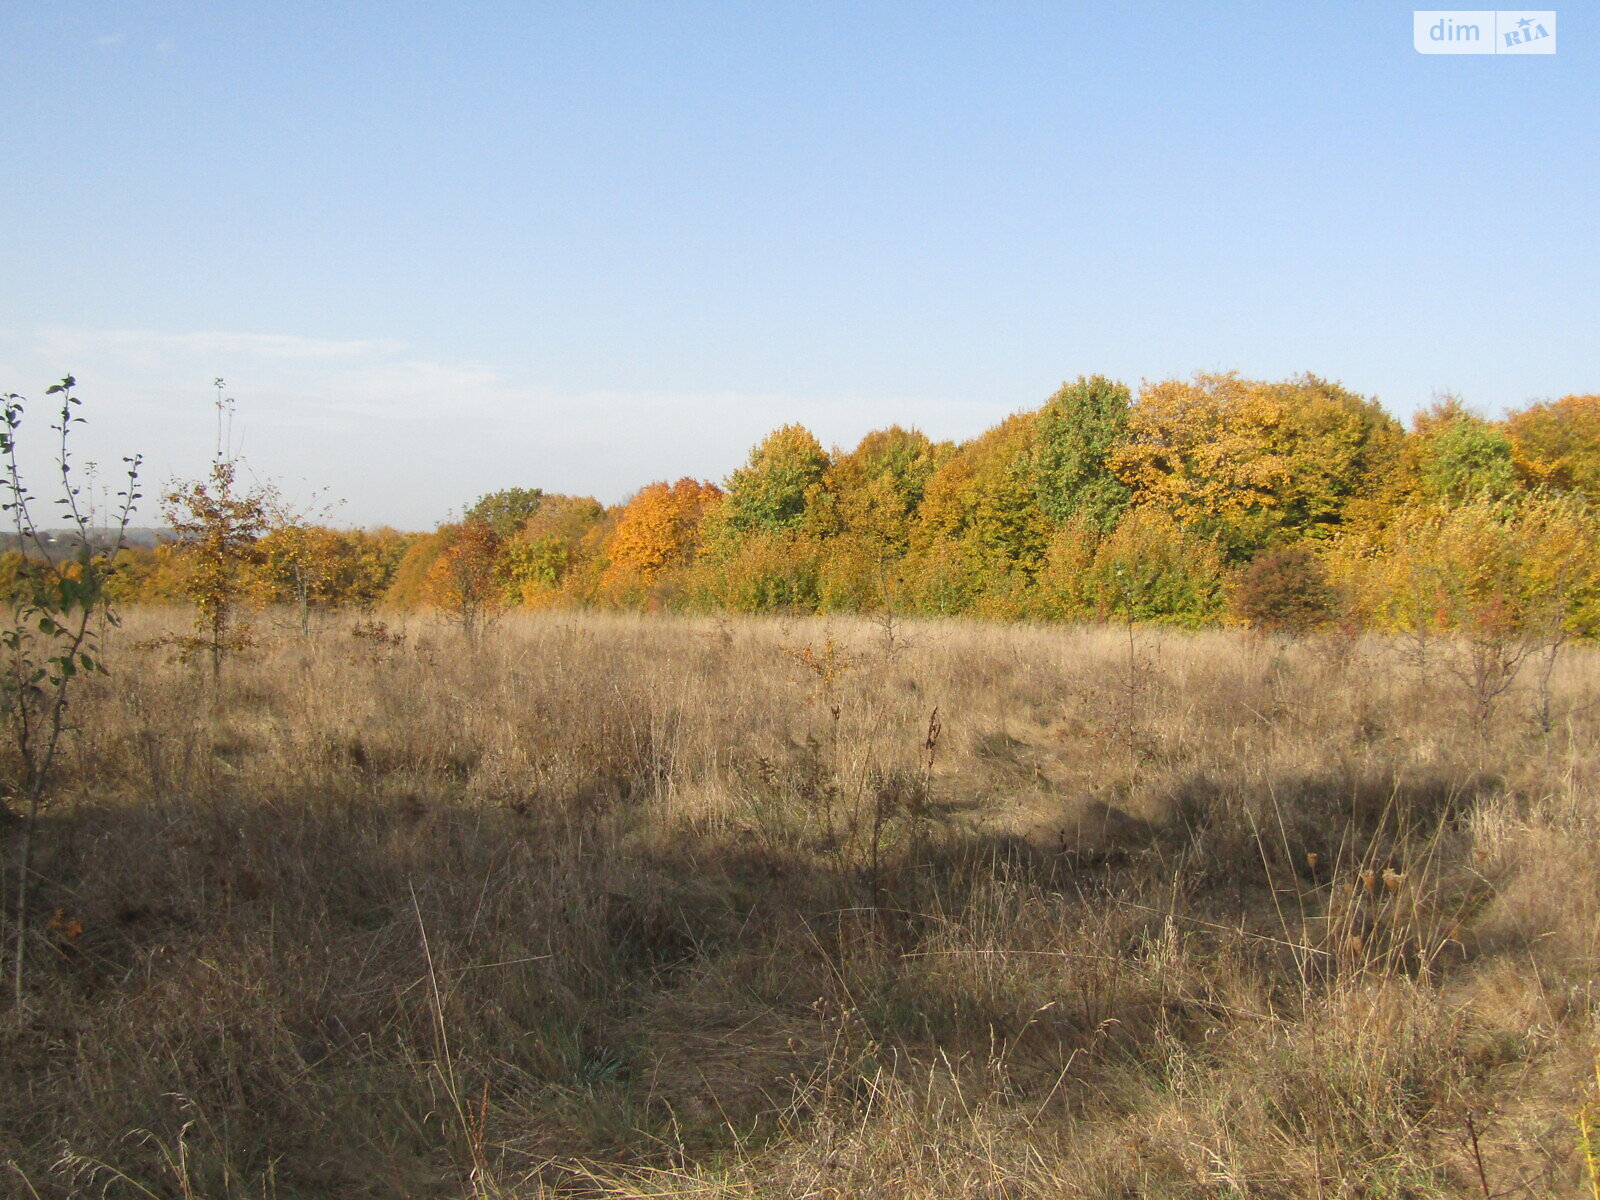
(556, 544)
(1460, 455)
(313, 567)
(864, 510)
(14, 575)
(364, 563)
(1148, 568)
(297, 557)
(657, 532)
(981, 535)
(408, 582)
(1556, 444)
(466, 582)
(873, 492)
(1077, 430)
(1482, 586)
(217, 523)
(149, 575)
(1284, 590)
(1253, 462)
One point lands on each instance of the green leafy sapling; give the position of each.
(57, 611)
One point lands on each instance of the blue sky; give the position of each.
(440, 249)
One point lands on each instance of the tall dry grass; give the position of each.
(632, 906)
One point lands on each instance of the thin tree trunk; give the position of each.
(24, 874)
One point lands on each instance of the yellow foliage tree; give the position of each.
(980, 531)
(1479, 587)
(551, 559)
(218, 525)
(1147, 568)
(1557, 445)
(872, 493)
(312, 566)
(298, 562)
(408, 584)
(1251, 461)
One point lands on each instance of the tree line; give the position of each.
(1200, 501)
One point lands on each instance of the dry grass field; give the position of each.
(639, 906)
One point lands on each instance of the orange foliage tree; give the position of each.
(657, 532)
(1095, 506)
(466, 582)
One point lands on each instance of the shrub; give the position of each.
(766, 572)
(1284, 589)
(1149, 568)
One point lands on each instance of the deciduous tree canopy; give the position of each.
(1101, 504)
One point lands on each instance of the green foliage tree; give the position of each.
(1077, 430)
(505, 511)
(762, 572)
(1461, 456)
(769, 493)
